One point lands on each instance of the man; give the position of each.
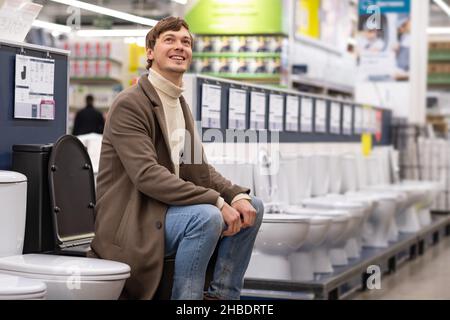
(154, 201)
(89, 119)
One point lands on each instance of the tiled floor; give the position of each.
(428, 277)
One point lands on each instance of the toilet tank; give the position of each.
(13, 200)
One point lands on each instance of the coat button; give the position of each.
(158, 225)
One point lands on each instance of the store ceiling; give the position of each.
(155, 9)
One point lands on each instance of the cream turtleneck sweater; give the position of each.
(170, 95)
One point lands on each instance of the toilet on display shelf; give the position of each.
(66, 274)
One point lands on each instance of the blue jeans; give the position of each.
(193, 232)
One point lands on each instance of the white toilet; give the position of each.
(19, 288)
(65, 277)
(340, 253)
(279, 236)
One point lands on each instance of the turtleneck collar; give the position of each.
(164, 85)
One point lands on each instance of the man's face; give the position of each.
(172, 52)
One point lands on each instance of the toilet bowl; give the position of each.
(431, 190)
(279, 236)
(19, 288)
(407, 218)
(72, 193)
(70, 278)
(380, 226)
(348, 247)
(302, 262)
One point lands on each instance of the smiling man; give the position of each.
(153, 202)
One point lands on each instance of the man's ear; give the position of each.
(150, 54)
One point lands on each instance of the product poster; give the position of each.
(211, 103)
(308, 18)
(34, 87)
(383, 40)
(306, 114)
(237, 107)
(276, 112)
(258, 110)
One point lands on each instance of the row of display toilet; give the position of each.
(321, 210)
(52, 275)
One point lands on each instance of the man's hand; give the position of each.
(247, 212)
(232, 219)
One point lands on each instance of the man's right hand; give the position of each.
(232, 219)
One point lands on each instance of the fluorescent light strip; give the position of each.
(444, 6)
(180, 1)
(108, 12)
(113, 33)
(51, 26)
(439, 30)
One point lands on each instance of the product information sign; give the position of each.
(321, 115)
(306, 114)
(292, 112)
(335, 118)
(34, 86)
(258, 110)
(276, 103)
(347, 120)
(237, 107)
(211, 103)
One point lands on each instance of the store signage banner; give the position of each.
(235, 17)
(384, 36)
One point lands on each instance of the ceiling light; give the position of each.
(180, 1)
(108, 12)
(443, 5)
(51, 26)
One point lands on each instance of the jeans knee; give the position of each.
(259, 206)
(211, 219)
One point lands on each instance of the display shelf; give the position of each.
(439, 79)
(347, 280)
(236, 55)
(97, 59)
(246, 77)
(322, 85)
(76, 80)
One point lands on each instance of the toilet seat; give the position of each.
(19, 288)
(53, 267)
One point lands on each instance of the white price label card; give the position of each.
(276, 102)
(211, 106)
(335, 118)
(292, 111)
(257, 110)
(347, 121)
(321, 115)
(237, 109)
(306, 114)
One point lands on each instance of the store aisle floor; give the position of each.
(428, 277)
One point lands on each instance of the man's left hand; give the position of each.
(248, 213)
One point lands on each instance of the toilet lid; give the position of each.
(11, 177)
(283, 218)
(18, 286)
(53, 265)
(72, 190)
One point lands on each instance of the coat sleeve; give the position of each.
(131, 139)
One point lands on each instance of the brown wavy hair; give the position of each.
(166, 24)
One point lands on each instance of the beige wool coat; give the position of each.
(136, 184)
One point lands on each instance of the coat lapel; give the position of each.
(151, 93)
